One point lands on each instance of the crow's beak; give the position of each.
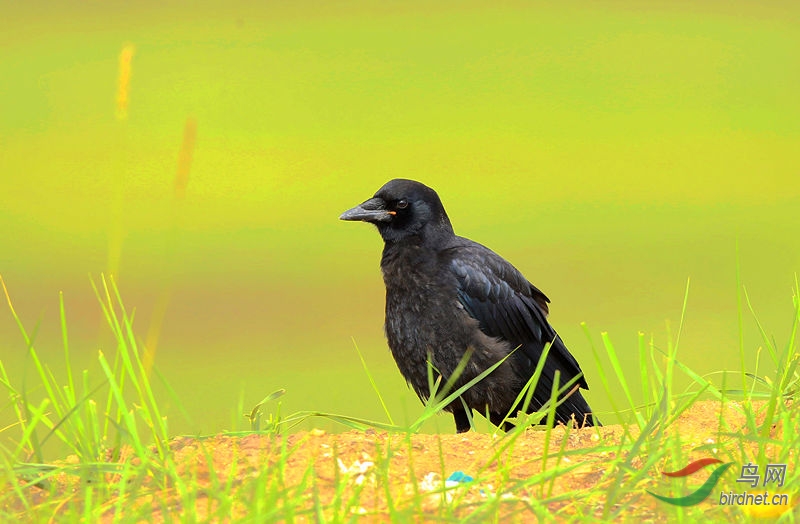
(373, 210)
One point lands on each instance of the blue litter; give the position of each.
(460, 476)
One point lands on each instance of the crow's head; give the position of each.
(402, 209)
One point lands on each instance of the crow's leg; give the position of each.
(462, 421)
(497, 420)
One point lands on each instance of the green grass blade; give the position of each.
(372, 382)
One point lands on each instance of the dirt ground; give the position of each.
(420, 463)
(408, 472)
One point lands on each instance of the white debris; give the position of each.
(357, 470)
(430, 482)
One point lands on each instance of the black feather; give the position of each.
(446, 295)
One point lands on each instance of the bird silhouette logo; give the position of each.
(701, 493)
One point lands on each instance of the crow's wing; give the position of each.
(507, 306)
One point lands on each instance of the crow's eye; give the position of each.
(401, 204)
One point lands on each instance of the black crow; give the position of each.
(446, 295)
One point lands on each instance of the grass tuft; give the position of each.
(124, 466)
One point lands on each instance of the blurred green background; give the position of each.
(610, 150)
